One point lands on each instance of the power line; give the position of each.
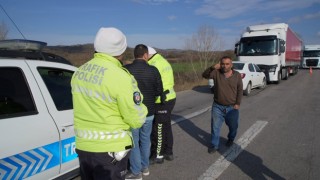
(12, 21)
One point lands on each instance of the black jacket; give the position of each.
(149, 82)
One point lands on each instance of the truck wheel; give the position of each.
(247, 91)
(286, 74)
(296, 69)
(279, 78)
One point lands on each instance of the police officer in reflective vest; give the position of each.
(107, 103)
(162, 138)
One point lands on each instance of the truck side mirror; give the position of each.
(236, 47)
(282, 46)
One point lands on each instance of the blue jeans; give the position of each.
(139, 156)
(221, 113)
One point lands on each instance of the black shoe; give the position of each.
(159, 160)
(169, 157)
(156, 160)
(211, 150)
(229, 143)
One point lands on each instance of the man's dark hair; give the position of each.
(140, 50)
(225, 57)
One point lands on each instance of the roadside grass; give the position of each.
(182, 86)
(187, 75)
(186, 67)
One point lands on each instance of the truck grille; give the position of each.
(312, 62)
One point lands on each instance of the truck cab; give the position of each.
(36, 119)
(311, 56)
(273, 47)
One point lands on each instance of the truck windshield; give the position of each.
(258, 46)
(315, 53)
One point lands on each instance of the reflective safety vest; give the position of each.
(166, 73)
(106, 103)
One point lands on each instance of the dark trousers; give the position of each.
(162, 137)
(99, 166)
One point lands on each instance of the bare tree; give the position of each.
(190, 55)
(203, 47)
(3, 31)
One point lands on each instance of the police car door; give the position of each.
(27, 131)
(56, 78)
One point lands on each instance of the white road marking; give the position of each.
(189, 116)
(217, 168)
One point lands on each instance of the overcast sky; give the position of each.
(158, 23)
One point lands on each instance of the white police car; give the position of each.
(36, 119)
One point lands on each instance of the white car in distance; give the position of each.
(252, 76)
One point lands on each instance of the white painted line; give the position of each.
(217, 168)
(189, 116)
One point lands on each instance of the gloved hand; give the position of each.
(163, 96)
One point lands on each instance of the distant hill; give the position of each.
(79, 54)
(73, 48)
(76, 54)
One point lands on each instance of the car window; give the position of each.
(257, 68)
(238, 66)
(251, 68)
(15, 96)
(58, 84)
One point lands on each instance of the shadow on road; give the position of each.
(249, 163)
(202, 89)
(194, 131)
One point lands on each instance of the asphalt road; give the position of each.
(277, 136)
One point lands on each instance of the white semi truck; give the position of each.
(311, 56)
(275, 48)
